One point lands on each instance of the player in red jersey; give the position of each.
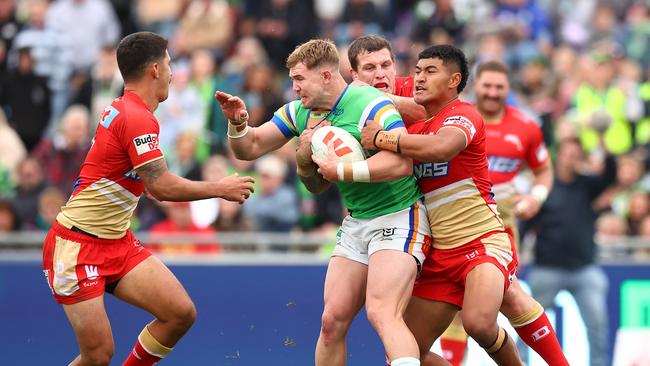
(472, 261)
(90, 250)
(373, 63)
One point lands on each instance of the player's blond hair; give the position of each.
(314, 53)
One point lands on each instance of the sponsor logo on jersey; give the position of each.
(146, 143)
(92, 272)
(514, 139)
(431, 170)
(461, 122)
(501, 164)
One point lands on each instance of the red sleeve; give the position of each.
(140, 139)
(536, 154)
(463, 123)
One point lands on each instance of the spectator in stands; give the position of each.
(9, 220)
(9, 27)
(600, 105)
(360, 17)
(439, 17)
(25, 98)
(637, 209)
(281, 25)
(90, 25)
(565, 251)
(29, 185)
(12, 149)
(62, 155)
(179, 219)
(182, 161)
(49, 205)
(105, 83)
(199, 16)
(51, 53)
(184, 110)
(159, 16)
(275, 206)
(260, 94)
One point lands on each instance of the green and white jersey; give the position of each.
(355, 106)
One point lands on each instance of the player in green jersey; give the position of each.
(386, 236)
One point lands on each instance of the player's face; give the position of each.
(165, 73)
(433, 81)
(308, 84)
(376, 69)
(491, 89)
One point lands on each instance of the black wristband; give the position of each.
(374, 139)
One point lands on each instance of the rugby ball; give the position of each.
(346, 147)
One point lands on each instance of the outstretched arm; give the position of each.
(166, 186)
(248, 143)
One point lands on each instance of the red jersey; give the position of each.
(108, 189)
(457, 193)
(516, 139)
(404, 86)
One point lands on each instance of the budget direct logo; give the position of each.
(145, 143)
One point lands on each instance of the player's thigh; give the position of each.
(516, 301)
(91, 326)
(484, 289)
(390, 288)
(427, 320)
(153, 287)
(345, 288)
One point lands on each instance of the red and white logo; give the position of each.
(541, 333)
(92, 272)
(463, 122)
(146, 143)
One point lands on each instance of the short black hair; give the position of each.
(449, 55)
(370, 43)
(136, 51)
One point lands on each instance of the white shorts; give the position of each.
(406, 231)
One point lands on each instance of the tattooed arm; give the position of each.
(166, 186)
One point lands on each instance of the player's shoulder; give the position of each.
(517, 116)
(464, 110)
(404, 86)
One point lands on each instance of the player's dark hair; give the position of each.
(137, 51)
(449, 55)
(370, 43)
(495, 66)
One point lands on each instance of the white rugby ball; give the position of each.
(345, 145)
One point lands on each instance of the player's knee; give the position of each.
(334, 326)
(378, 315)
(100, 356)
(186, 314)
(181, 316)
(480, 325)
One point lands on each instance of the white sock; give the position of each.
(405, 361)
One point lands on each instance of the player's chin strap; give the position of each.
(385, 140)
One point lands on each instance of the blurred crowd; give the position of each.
(580, 68)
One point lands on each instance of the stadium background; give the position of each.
(579, 68)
